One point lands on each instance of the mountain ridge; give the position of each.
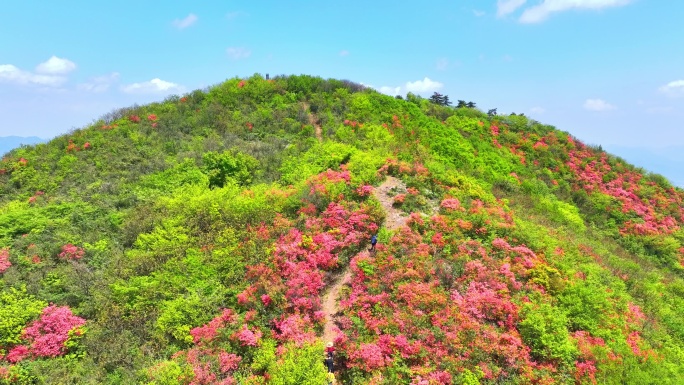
(7, 143)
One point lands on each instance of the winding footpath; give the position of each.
(394, 219)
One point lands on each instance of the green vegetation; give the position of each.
(190, 241)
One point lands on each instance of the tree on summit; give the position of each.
(439, 99)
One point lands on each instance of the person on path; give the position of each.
(330, 357)
(374, 241)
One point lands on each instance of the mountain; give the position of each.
(666, 161)
(222, 237)
(9, 142)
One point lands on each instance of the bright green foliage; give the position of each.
(299, 366)
(318, 158)
(238, 167)
(168, 373)
(545, 330)
(16, 310)
(561, 212)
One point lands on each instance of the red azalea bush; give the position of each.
(48, 335)
(282, 303)
(4, 260)
(70, 251)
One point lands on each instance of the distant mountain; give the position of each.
(668, 161)
(8, 143)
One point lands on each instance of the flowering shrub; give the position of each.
(72, 147)
(450, 204)
(70, 251)
(48, 335)
(364, 191)
(4, 260)
(134, 118)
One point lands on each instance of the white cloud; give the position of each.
(673, 88)
(537, 110)
(478, 13)
(344, 52)
(153, 86)
(541, 12)
(56, 66)
(12, 74)
(186, 22)
(442, 64)
(419, 87)
(99, 83)
(599, 105)
(236, 53)
(423, 86)
(391, 91)
(505, 7)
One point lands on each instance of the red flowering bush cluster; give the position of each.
(4, 260)
(658, 215)
(48, 335)
(644, 211)
(352, 123)
(443, 298)
(282, 303)
(134, 118)
(72, 147)
(70, 251)
(410, 304)
(35, 197)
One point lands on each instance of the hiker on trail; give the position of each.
(374, 241)
(330, 357)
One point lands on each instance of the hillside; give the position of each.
(7, 143)
(195, 241)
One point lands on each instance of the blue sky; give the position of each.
(611, 72)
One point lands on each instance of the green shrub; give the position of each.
(544, 330)
(300, 366)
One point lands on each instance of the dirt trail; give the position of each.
(316, 123)
(395, 219)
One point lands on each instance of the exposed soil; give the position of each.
(394, 219)
(314, 121)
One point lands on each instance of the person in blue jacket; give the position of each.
(374, 241)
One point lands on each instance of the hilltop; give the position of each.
(196, 241)
(9, 142)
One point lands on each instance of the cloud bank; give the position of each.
(154, 86)
(598, 105)
(48, 74)
(544, 8)
(56, 66)
(673, 88)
